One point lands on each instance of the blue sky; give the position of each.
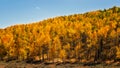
(27, 11)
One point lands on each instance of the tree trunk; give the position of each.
(99, 50)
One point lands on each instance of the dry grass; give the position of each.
(14, 64)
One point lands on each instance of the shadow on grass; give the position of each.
(91, 63)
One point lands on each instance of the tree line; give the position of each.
(91, 36)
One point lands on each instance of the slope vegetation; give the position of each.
(92, 36)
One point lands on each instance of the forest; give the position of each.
(92, 36)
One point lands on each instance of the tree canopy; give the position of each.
(93, 36)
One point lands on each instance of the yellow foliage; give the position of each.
(62, 54)
(78, 35)
(118, 52)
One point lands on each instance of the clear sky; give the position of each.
(27, 11)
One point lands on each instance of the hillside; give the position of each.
(92, 36)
